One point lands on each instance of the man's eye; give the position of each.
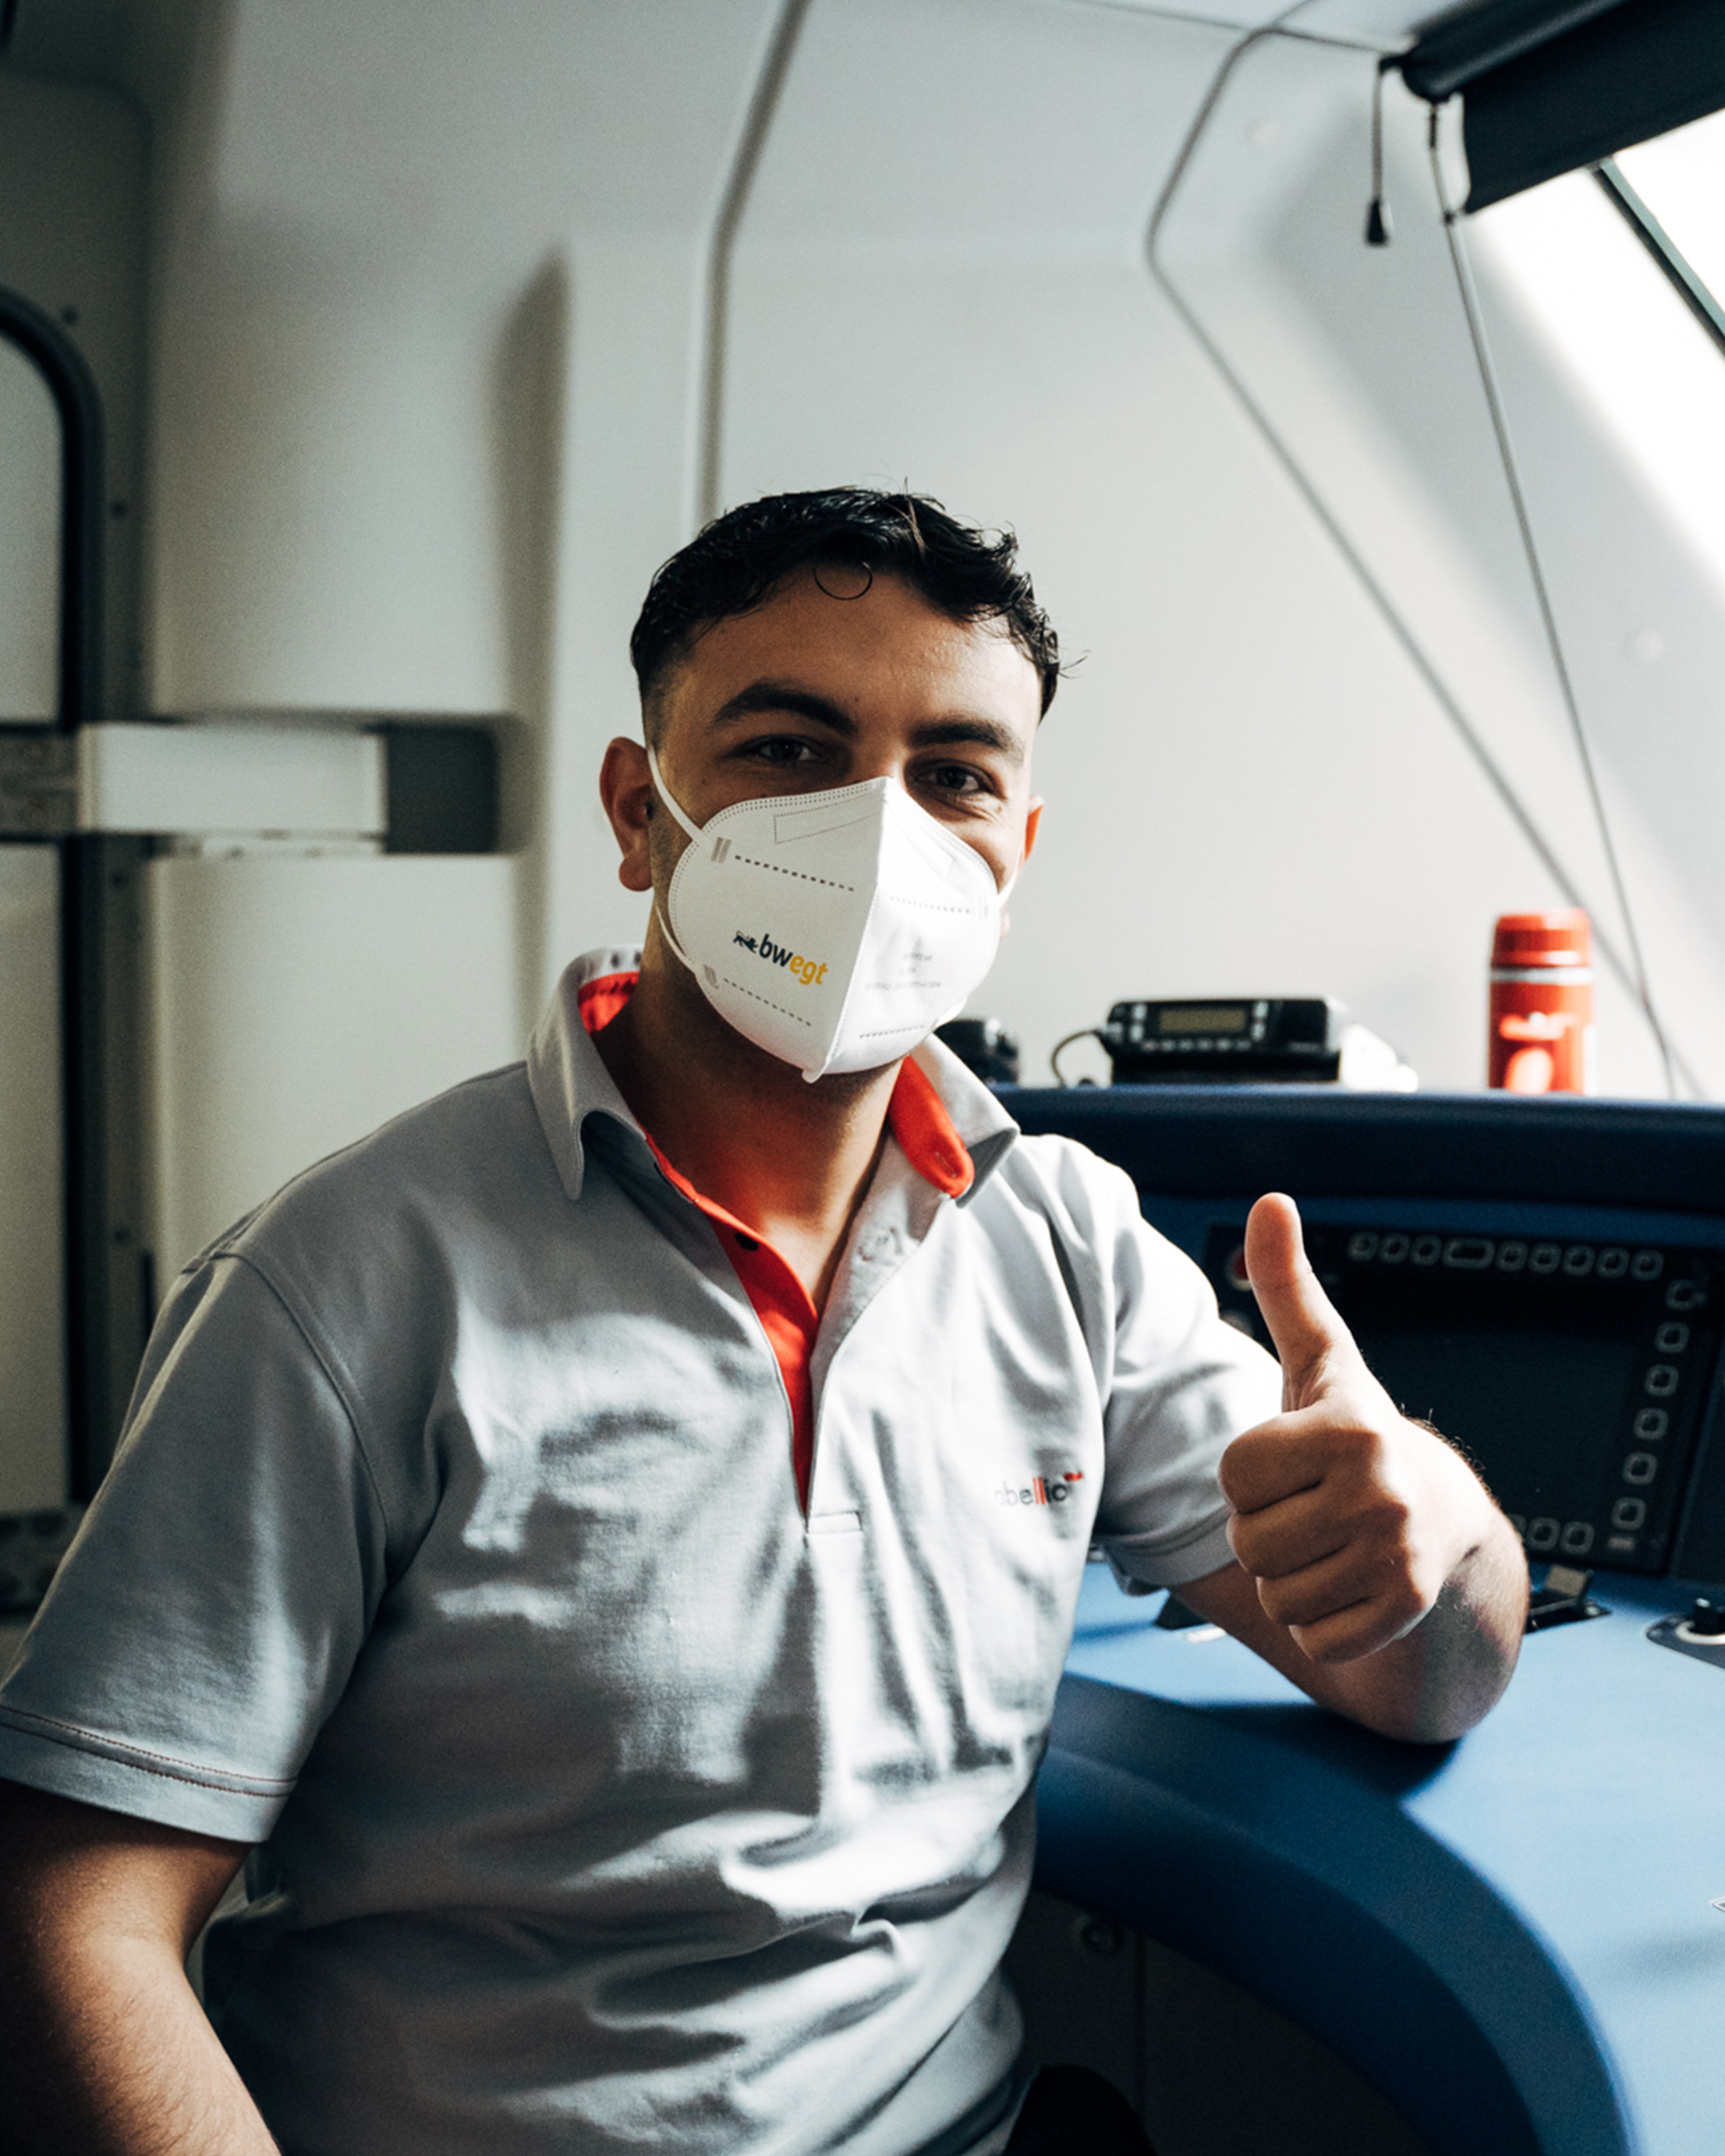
(955, 778)
(782, 750)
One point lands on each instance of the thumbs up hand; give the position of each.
(1350, 1518)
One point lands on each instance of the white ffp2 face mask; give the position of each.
(834, 930)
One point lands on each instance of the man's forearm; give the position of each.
(1433, 1684)
(1451, 1669)
(104, 2049)
(106, 2052)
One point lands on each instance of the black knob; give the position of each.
(1707, 1619)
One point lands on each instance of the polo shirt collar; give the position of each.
(569, 1081)
(986, 1132)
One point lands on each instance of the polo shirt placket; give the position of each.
(919, 1142)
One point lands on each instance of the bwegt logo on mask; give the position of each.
(810, 972)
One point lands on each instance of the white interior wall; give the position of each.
(286, 1023)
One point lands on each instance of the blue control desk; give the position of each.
(1514, 1938)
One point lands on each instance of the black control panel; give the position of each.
(1573, 1374)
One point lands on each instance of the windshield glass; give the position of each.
(1613, 324)
(1681, 178)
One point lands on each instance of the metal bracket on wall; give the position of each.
(413, 788)
(38, 785)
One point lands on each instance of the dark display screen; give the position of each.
(1546, 1408)
(1202, 1018)
(1572, 1374)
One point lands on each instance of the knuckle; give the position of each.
(1393, 1521)
(1280, 1602)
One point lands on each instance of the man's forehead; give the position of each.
(849, 624)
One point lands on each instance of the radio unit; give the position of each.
(1295, 1038)
(1572, 1373)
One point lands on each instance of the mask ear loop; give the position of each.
(666, 796)
(694, 833)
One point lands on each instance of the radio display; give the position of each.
(1572, 1375)
(1203, 1018)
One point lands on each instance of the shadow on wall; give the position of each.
(528, 376)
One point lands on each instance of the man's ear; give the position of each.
(1033, 824)
(626, 789)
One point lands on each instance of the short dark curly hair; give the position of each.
(741, 557)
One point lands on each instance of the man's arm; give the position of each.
(1372, 1566)
(104, 2049)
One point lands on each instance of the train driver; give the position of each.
(600, 1552)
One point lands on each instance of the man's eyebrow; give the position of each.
(981, 733)
(785, 696)
(953, 732)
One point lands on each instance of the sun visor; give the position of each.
(1548, 86)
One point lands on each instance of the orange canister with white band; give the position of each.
(1543, 1004)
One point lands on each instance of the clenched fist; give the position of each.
(1350, 1518)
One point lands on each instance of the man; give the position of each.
(559, 1536)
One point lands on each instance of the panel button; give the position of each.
(1544, 1258)
(1650, 1423)
(1672, 1337)
(1629, 1514)
(1511, 1257)
(1647, 1265)
(1468, 1253)
(1363, 1245)
(1579, 1259)
(1639, 1468)
(1686, 1295)
(1613, 1264)
(1661, 1381)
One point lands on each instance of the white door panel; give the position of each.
(33, 1350)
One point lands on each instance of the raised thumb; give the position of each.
(1303, 1324)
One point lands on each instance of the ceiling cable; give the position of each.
(1379, 231)
(1554, 643)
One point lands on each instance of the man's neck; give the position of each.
(790, 1159)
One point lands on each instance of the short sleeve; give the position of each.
(206, 1618)
(1181, 1384)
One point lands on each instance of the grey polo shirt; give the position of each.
(604, 1800)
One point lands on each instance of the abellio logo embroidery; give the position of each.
(810, 972)
(1041, 1492)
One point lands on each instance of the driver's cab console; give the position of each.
(1517, 1940)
